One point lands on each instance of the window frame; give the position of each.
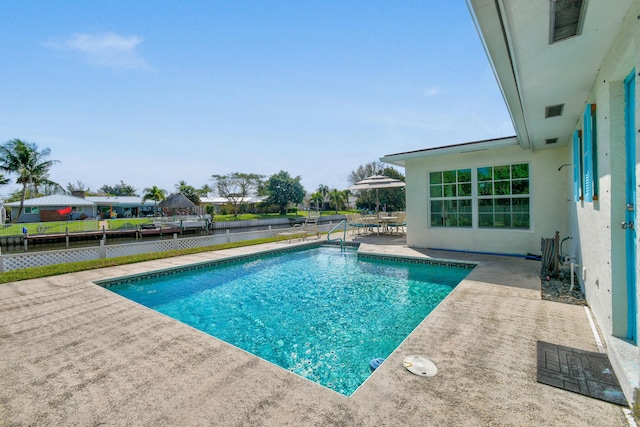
(453, 216)
(478, 197)
(499, 196)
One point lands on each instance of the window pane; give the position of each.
(520, 187)
(485, 220)
(502, 219)
(520, 204)
(436, 206)
(435, 178)
(464, 205)
(485, 205)
(464, 220)
(502, 187)
(464, 190)
(503, 205)
(449, 190)
(503, 213)
(521, 220)
(485, 189)
(464, 175)
(452, 221)
(436, 220)
(485, 174)
(520, 171)
(501, 172)
(450, 206)
(436, 191)
(449, 176)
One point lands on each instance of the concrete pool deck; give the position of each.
(73, 353)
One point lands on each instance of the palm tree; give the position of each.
(156, 194)
(24, 159)
(336, 198)
(317, 198)
(323, 189)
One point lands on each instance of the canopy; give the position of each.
(376, 182)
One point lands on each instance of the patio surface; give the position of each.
(73, 353)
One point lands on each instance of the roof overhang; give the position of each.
(400, 159)
(534, 73)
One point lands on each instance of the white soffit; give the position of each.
(533, 74)
(400, 159)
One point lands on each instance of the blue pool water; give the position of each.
(321, 313)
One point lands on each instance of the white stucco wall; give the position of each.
(599, 243)
(548, 201)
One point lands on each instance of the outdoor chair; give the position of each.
(371, 224)
(356, 225)
(399, 223)
(302, 231)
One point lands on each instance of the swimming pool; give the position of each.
(319, 312)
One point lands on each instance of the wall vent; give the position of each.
(553, 110)
(551, 141)
(567, 17)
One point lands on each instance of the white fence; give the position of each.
(41, 259)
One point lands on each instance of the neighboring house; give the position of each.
(567, 71)
(58, 207)
(61, 207)
(122, 206)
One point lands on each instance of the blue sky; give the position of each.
(155, 92)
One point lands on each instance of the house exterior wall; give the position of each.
(548, 202)
(598, 242)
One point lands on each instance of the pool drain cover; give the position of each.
(420, 366)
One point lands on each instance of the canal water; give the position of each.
(34, 246)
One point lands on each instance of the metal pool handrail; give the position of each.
(344, 237)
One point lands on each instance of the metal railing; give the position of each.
(344, 236)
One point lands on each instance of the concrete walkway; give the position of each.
(73, 353)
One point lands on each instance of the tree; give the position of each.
(78, 186)
(236, 187)
(156, 194)
(29, 164)
(284, 189)
(204, 190)
(317, 198)
(121, 189)
(336, 198)
(365, 171)
(347, 193)
(392, 198)
(189, 192)
(323, 189)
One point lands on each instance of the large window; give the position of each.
(503, 196)
(450, 195)
(486, 197)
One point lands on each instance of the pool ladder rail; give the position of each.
(342, 224)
